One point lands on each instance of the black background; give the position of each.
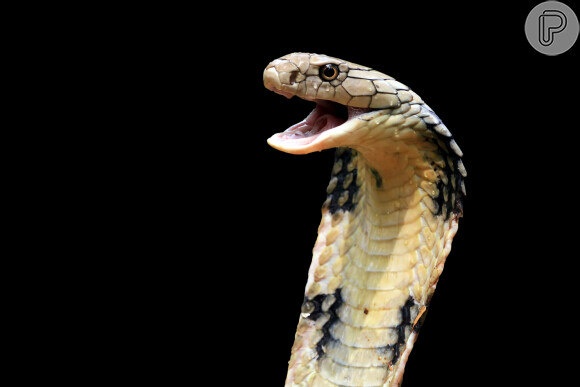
(501, 311)
(216, 228)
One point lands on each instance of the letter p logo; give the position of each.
(552, 28)
(551, 21)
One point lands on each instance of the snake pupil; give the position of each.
(329, 72)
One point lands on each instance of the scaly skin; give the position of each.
(392, 210)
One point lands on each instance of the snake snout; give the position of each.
(271, 79)
(282, 83)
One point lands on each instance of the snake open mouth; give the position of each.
(306, 135)
(325, 116)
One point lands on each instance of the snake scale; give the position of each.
(394, 200)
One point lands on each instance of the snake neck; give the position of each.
(384, 205)
(386, 229)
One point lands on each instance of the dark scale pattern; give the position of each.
(331, 321)
(403, 331)
(315, 304)
(378, 178)
(445, 199)
(345, 155)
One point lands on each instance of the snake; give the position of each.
(392, 209)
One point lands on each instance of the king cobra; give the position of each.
(392, 210)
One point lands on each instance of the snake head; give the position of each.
(342, 92)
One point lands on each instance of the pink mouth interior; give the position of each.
(322, 118)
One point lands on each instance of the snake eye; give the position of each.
(328, 72)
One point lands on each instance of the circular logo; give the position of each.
(552, 27)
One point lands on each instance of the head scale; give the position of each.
(321, 77)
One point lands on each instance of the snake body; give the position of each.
(392, 210)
